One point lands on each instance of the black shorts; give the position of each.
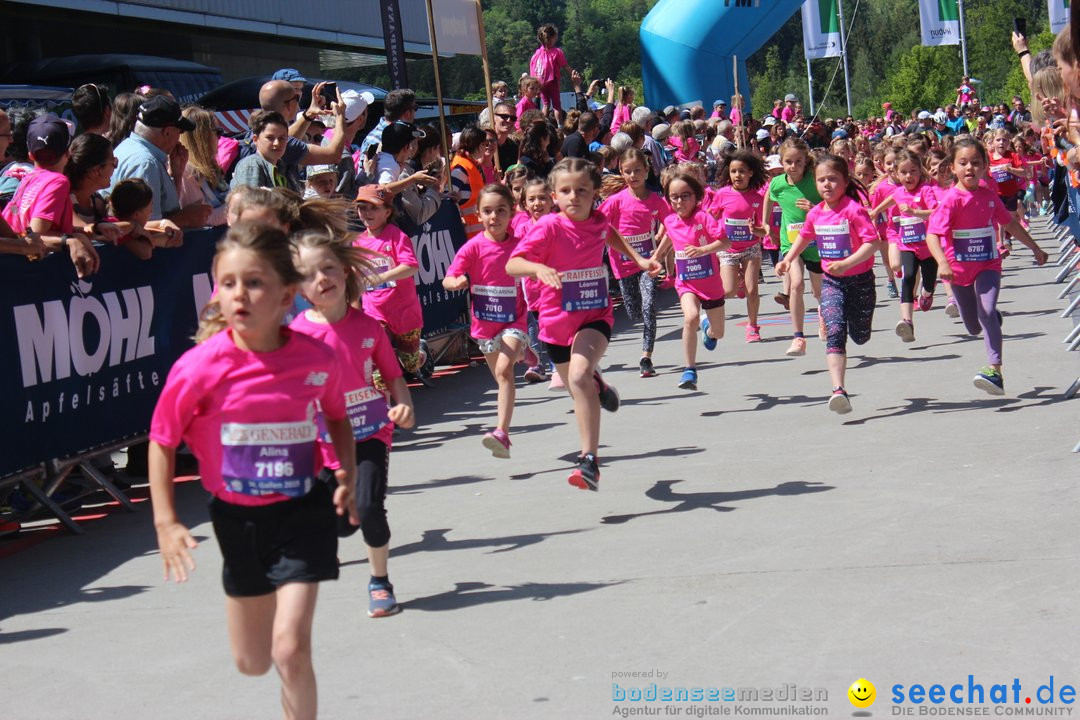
(813, 266)
(560, 354)
(712, 304)
(1011, 201)
(267, 546)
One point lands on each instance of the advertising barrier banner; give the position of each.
(435, 244)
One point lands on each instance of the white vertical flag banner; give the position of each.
(1059, 14)
(940, 22)
(456, 26)
(821, 29)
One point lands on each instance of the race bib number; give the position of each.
(738, 231)
(269, 458)
(834, 241)
(1000, 174)
(495, 303)
(584, 289)
(697, 268)
(642, 244)
(793, 230)
(974, 245)
(912, 229)
(367, 411)
(379, 265)
(777, 213)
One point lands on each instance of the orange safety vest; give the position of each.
(476, 184)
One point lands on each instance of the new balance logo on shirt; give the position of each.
(318, 379)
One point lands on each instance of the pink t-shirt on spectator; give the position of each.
(637, 221)
(966, 222)
(700, 275)
(787, 114)
(620, 116)
(250, 418)
(496, 298)
(576, 251)
(395, 304)
(42, 194)
(361, 346)
(908, 232)
(840, 232)
(523, 106)
(737, 213)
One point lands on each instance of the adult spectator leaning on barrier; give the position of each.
(398, 105)
(279, 96)
(153, 154)
(125, 111)
(42, 204)
(204, 180)
(421, 201)
(466, 179)
(92, 108)
(19, 166)
(400, 144)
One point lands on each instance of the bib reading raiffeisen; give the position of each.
(367, 411)
(267, 458)
(974, 245)
(697, 268)
(642, 244)
(738, 231)
(495, 303)
(834, 241)
(379, 265)
(585, 289)
(912, 229)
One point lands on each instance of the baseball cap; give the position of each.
(941, 118)
(356, 103)
(314, 170)
(769, 121)
(48, 132)
(772, 162)
(289, 75)
(924, 115)
(790, 97)
(161, 111)
(839, 134)
(668, 110)
(661, 132)
(374, 194)
(762, 134)
(397, 135)
(719, 102)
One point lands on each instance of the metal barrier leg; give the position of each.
(1069, 287)
(56, 510)
(1072, 307)
(1077, 448)
(1066, 254)
(1064, 244)
(1063, 273)
(1073, 334)
(97, 476)
(1075, 343)
(1072, 389)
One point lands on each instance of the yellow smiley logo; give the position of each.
(862, 693)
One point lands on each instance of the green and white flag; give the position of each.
(1059, 14)
(940, 22)
(820, 29)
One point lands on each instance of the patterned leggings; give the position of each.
(407, 348)
(847, 305)
(639, 299)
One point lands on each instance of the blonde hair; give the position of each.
(358, 268)
(1048, 84)
(202, 144)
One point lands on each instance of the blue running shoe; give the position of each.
(381, 600)
(688, 381)
(710, 342)
(990, 381)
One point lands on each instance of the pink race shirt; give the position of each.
(361, 347)
(42, 194)
(637, 221)
(775, 217)
(576, 251)
(908, 232)
(881, 191)
(250, 418)
(700, 275)
(498, 302)
(966, 223)
(738, 214)
(840, 232)
(395, 303)
(531, 287)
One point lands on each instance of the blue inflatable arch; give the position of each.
(687, 47)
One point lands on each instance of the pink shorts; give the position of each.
(549, 95)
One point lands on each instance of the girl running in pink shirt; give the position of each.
(498, 305)
(635, 213)
(245, 401)
(565, 251)
(737, 207)
(941, 181)
(847, 241)
(535, 203)
(961, 236)
(390, 298)
(695, 237)
(907, 210)
(332, 279)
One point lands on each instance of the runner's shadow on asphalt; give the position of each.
(767, 402)
(417, 488)
(24, 635)
(571, 458)
(422, 439)
(685, 502)
(935, 406)
(436, 541)
(470, 594)
(867, 361)
(1037, 393)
